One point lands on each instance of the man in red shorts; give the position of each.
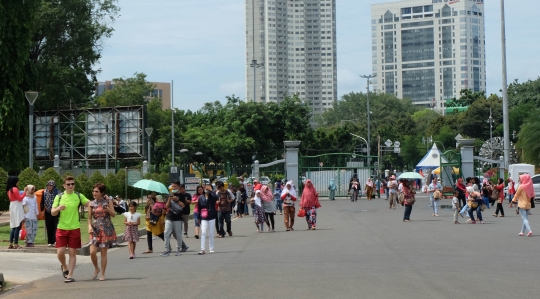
(68, 232)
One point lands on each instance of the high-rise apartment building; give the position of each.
(428, 50)
(294, 41)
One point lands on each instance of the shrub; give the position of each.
(29, 177)
(4, 201)
(50, 174)
(83, 186)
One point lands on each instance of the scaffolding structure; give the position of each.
(92, 135)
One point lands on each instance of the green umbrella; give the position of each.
(150, 185)
(410, 175)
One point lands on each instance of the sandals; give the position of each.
(68, 280)
(96, 274)
(147, 251)
(65, 273)
(197, 237)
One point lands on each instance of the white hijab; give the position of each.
(292, 191)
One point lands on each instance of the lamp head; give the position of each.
(149, 131)
(31, 96)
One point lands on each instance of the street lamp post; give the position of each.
(490, 121)
(506, 126)
(368, 77)
(31, 96)
(255, 66)
(105, 119)
(149, 132)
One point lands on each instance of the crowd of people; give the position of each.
(167, 216)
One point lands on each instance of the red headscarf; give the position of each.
(460, 184)
(309, 196)
(527, 185)
(266, 194)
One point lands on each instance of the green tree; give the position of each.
(113, 186)
(475, 122)
(466, 98)
(16, 30)
(48, 175)
(68, 40)
(4, 201)
(97, 177)
(524, 93)
(29, 177)
(120, 178)
(127, 92)
(528, 141)
(84, 186)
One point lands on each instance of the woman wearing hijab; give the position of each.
(258, 211)
(500, 200)
(310, 204)
(408, 201)
(16, 211)
(46, 205)
(369, 188)
(524, 195)
(269, 206)
(511, 191)
(332, 187)
(288, 195)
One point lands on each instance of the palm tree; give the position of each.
(529, 135)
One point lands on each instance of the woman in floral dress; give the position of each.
(100, 228)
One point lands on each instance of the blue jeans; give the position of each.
(246, 209)
(434, 204)
(14, 234)
(279, 205)
(464, 209)
(525, 216)
(510, 197)
(478, 213)
(486, 200)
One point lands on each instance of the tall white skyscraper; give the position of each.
(428, 50)
(294, 42)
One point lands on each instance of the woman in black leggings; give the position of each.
(269, 207)
(157, 229)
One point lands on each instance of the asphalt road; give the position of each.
(359, 250)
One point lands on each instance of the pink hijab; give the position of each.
(527, 185)
(266, 194)
(309, 196)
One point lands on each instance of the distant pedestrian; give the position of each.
(511, 191)
(378, 187)
(332, 187)
(500, 198)
(101, 228)
(524, 198)
(174, 220)
(434, 196)
(196, 214)
(310, 203)
(31, 220)
(16, 211)
(258, 212)
(226, 197)
(393, 191)
(206, 204)
(369, 188)
(355, 187)
(46, 205)
(408, 201)
(157, 207)
(288, 195)
(277, 198)
(269, 207)
(132, 220)
(455, 206)
(384, 185)
(461, 189)
(68, 233)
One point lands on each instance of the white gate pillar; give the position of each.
(467, 157)
(291, 161)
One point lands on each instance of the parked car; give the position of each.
(536, 184)
(264, 180)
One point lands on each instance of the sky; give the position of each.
(200, 45)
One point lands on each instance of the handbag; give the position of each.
(483, 207)
(411, 200)
(301, 213)
(401, 197)
(204, 213)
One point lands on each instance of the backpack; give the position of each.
(495, 194)
(80, 202)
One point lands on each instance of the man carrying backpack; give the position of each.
(224, 212)
(174, 220)
(68, 232)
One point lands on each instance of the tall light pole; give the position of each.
(105, 118)
(31, 96)
(149, 132)
(255, 66)
(368, 77)
(172, 122)
(506, 125)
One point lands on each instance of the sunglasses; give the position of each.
(70, 184)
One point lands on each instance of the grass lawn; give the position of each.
(118, 223)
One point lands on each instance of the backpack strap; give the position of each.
(80, 202)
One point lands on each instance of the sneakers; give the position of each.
(455, 222)
(184, 249)
(201, 252)
(165, 253)
(529, 234)
(50, 245)
(211, 251)
(230, 234)
(185, 235)
(177, 253)
(472, 222)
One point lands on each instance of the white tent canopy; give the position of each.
(431, 160)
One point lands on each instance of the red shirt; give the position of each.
(500, 187)
(14, 195)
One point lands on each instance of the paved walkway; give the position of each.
(359, 250)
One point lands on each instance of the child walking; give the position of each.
(132, 221)
(31, 221)
(455, 206)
